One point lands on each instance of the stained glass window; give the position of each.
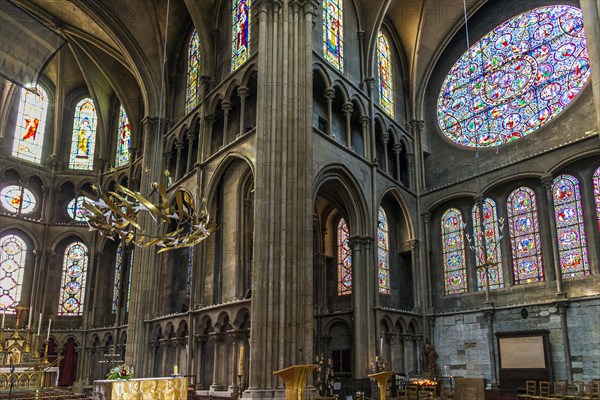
(344, 259)
(240, 41)
(72, 286)
(31, 124)
(383, 259)
(516, 78)
(190, 267)
(76, 210)
(131, 252)
(524, 233)
(453, 252)
(596, 180)
(123, 139)
(16, 198)
(572, 247)
(333, 33)
(84, 136)
(13, 252)
(386, 79)
(192, 91)
(118, 276)
(493, 250)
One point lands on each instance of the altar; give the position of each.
(174, 388)
(28, 376)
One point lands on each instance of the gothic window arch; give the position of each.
(18, 199)
(83, 141)
(192, 91)
(13, 252)
(333, 33)
(240, 40)
(385, 74)
(76, 210)
(524, 231)
(344, 258)
(74, 273)
(570, 231)
(31, 124)
(119, 257)
(453, 252)
(596, 183)
(493, 249)
(383, 253)
(122, 155)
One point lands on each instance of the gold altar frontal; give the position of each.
(141, 389)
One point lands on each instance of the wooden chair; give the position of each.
(544, 391)
(530, 388)
(447, 394)
(427, 393)
(410, 392)
(470, 393)
(560, 390)
(591, 391)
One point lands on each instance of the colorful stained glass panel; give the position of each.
(118, 277)
(525, 236)
(190, 268)
(383, 267)
(123, 139)
(84, 136)
(72, 287)
(386, 79)
(240, 45)
(15, 198)
(516, 78)
(492, 246)
(596, 183)
(570, 231)
(76, 210)
(13, 252)
(453, 252)
(192, 92)
(333, 33)
(344, 259)
(31, 124)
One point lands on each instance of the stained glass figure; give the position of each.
(131, 252)
(192, 91)
(76, 210)
(31, 124)
(494, 252)
(570, 231)
(453, 252)
(13, 252)
(524, 232)
(190, 268)
(16, 198)
(123, 139)
(516, 78)
(118, 277)
(333, 33)
(386, 79)
(84, 136)
(240, 41)
(72, 286)
(596, 181)
(344, 259)
(383, 259)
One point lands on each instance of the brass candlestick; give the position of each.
(239, 386)
(36, 352)
(45, 360)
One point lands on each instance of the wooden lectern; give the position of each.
(382, 378)
(294, 378)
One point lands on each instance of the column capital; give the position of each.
(417, 125)
(547, 180)
(226, 106)
(397, 148)
(359, 240)
(385, 138)
(178, 145)
(329, 93)
(243, 91)
(413, 243)
(347, 108)
(210, 118)
(426, 216)
(364, 119)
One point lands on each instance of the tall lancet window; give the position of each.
(572, 246)
(453, 251)
(494, 253)
(84, 136)
(13, 252)
(344, 259)
(31, 123)
(190, 269)
(383, 253)
(72, 286)
(384, 72)
(123, 139)
(240, 41)
(118, 277)
(596, 181)
(192, 91)
(524, 233)
(333, 33)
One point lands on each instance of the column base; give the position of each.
(561, 295)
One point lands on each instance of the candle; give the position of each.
(40, 324)
(29, 320)
(3, 316)
(176, 370)
(241, 363)
(381, 346)
(48, 335)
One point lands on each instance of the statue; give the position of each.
(431, 357)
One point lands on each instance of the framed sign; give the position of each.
(523, 355)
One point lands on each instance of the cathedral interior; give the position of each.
(354, 154)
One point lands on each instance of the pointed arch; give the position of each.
(240, 38)
(31, 124)
(83, 141)
(493, 250)
(383, 257)
(192, 91)
(385, 74)
(524, 233)
(453, 252)
(74, 273)
(344, 256)
(333, 33)
(13, 253)
(122, 155)
(570, 230)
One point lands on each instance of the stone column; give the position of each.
(426, 217)
(216, 343)
(178, 160)
(418, 126)
(190, 139)
(329, 96)
(410, 157)
(591, 21)
(564, 330)
(207, 136)
(489, 317)
(347, 109)
(385, 138)
(414, 248)
(364, 122)
(397, 148)
(226, 107)
(201, 341)
(555, 261)
(242, 94)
